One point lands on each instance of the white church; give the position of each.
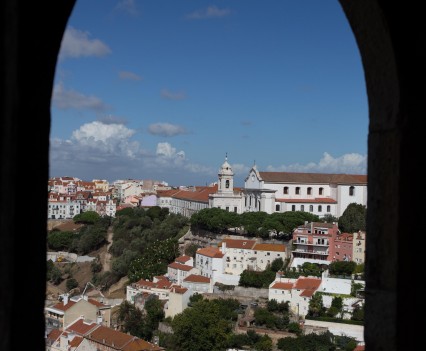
(317, 193)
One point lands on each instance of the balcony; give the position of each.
(310, 244)
(315, 252)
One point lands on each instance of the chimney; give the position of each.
(65, 300)
(223, 249)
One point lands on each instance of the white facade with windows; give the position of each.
(318, 193)
(209, 260)
(62, 209)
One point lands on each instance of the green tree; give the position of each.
(191, 250)
(358, 313)
(277, 264)
(201, 328)
(337, 304)
(71, 283)
(341, 268)
(310, 342)
(316, 305)
(264, 343)
(59, 241)
(353, 218)
(88, 217)
(131, 319)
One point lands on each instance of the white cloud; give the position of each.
(76, 43)
(128, 75)
(352, 163)
(70, 99)
(167, 94)
(166, 129)
(209, 12)
(167, 150)
(107, 151)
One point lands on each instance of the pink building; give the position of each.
(315, 240)
(343, 247)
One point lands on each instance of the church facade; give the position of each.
(317, 193)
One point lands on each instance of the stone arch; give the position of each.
(391, 42)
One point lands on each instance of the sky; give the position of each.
(166, 89)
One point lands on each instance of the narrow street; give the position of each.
(106, 260)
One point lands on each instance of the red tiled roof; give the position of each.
(180, 266)
(282, 286)
(269, 247)
(81, 327)
(54, 334)
(212, 252)
(76, 341)
(308, 285)
(141, 345)
(238, 243)
(183, 259)
(195, 278)
(161, 284)
(178, 289)
(109, 337)
(62, 307)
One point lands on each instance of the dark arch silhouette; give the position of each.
(391, 42)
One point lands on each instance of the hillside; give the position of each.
(81, 271)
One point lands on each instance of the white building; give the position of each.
(242, 254)
(159, 286)
(298, 292)
(358, 248)
(317, 193)
(198, 284)
(177, 272)
(209, 260)
(178, 301)
(62, 209)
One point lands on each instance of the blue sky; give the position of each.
(164, 89)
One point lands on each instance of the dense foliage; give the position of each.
(145, 241)
(353, 218)
(259, 224)
(87, 239)
(140, 323)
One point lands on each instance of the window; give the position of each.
(321, 191)
(319, 208)
(309, 191)
(293, 207)
(328, 208)
(227, 208)
(311, 208)
(302, 208)
(285, 190)
(227, 184)
(351, 191)
(298, 190)
(235, 209)
(277, 208)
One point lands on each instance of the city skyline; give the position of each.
(164, 90)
